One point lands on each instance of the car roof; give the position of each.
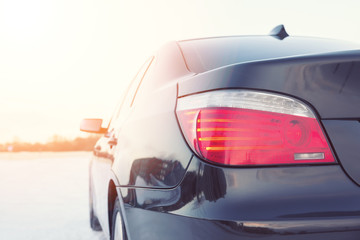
(206, 54)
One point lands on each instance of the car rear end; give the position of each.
(273, 128)
(276, 142)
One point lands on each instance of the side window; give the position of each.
(129, 95)
(134, 86)
(147, 84)
(140, 80)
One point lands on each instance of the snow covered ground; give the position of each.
(45, 196)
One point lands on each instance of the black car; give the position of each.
(242, 137)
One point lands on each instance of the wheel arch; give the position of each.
(112, 194)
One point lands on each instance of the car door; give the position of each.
(102, 163)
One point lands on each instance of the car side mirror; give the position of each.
(92, 126)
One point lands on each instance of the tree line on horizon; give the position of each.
(57, 144)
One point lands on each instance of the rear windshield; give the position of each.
(206, 54)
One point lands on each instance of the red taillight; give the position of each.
(241, 136)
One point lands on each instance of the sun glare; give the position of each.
(64, 60)
(25, 19)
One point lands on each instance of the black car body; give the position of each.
(164, 185)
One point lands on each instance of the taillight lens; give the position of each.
(240, 127)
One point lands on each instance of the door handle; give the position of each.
(97, 150)
(112, 142)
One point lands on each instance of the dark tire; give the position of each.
(117, 225)
(94, 221)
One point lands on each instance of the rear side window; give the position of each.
(137, 82)
(131, 92)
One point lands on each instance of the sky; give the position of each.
(64, 60)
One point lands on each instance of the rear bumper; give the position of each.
(300, 203)
(147, 224)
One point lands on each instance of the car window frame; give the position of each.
(136, 82)
(151, 61)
